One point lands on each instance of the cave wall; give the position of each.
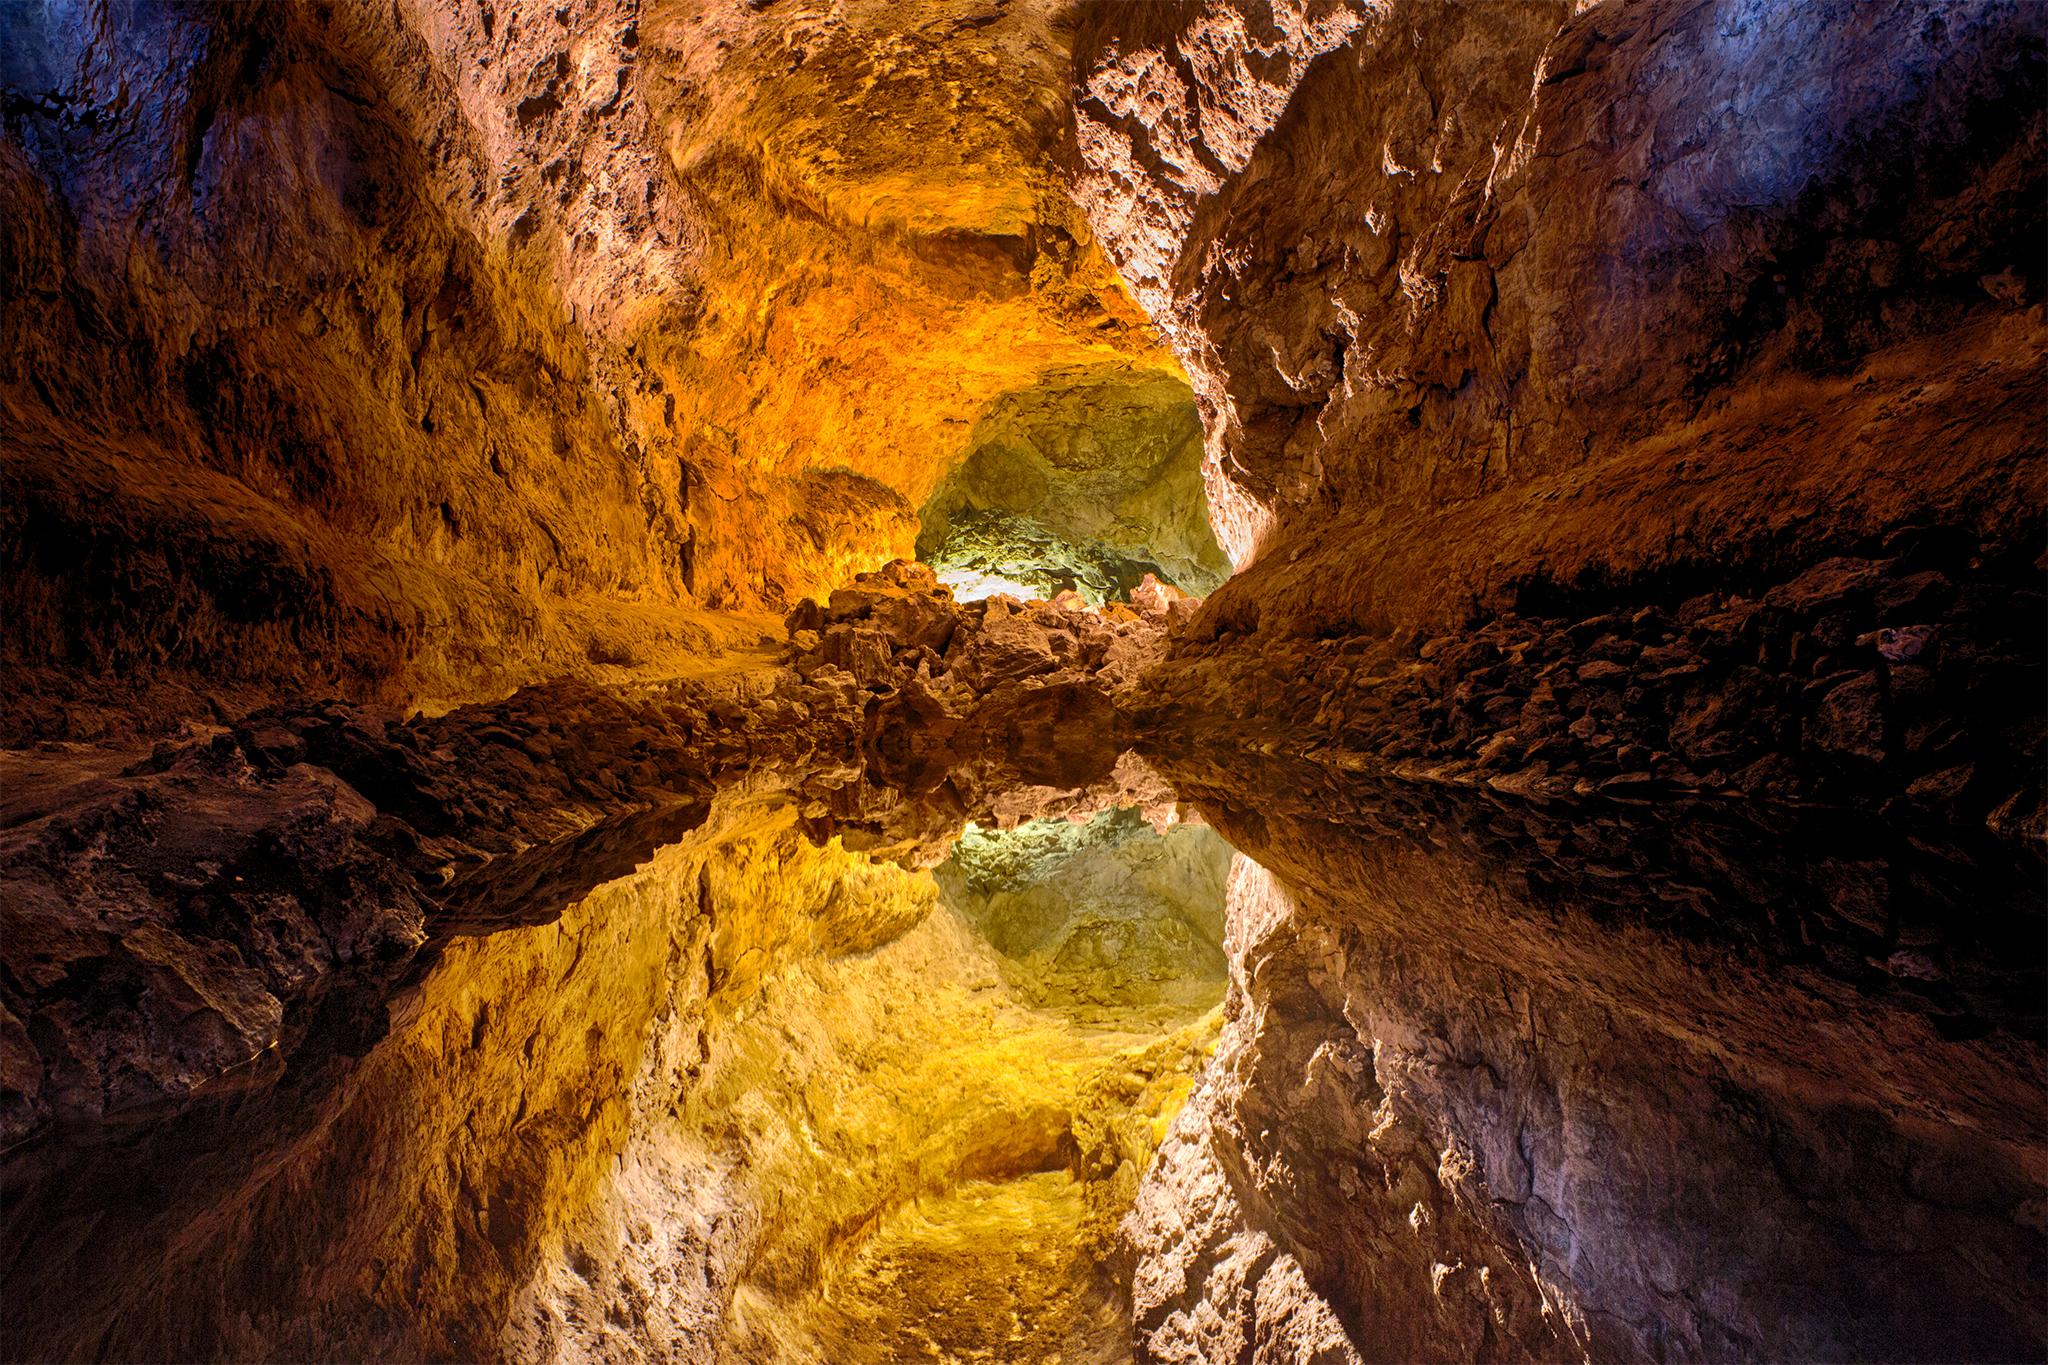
(1497, 256)
(1089, 478)
(1605, 1080)
(383, 1207)
(414, 352)
(1625, 422)
(1612, 413)
(281, 409)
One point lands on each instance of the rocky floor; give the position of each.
(490, 868)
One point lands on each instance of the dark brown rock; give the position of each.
(1851, 719)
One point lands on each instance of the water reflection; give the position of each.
(1720, 1080)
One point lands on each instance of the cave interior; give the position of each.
(1230, 682)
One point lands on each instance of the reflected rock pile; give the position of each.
(1480, 798)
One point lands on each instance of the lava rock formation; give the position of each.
(1500, 818)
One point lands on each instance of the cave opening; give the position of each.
(1085, 482)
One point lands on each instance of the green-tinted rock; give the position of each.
(1090, 480)
(1101, 918)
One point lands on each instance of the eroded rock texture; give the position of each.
(1084, 483)
(416, 352)
(1622, 421)
(1500, 256)
(482, 869)
(1613, 1080)
(327, 948)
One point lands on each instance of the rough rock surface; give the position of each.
(1411, 255)
(1615, 416)
(1628, 1072)
(1907, 679)
(1089, 479)
(414, 352)
(1624, 420)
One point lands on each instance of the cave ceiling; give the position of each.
(792, 681)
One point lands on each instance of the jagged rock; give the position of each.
(1623, 421)
(1851, 719)
(1438, 416)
